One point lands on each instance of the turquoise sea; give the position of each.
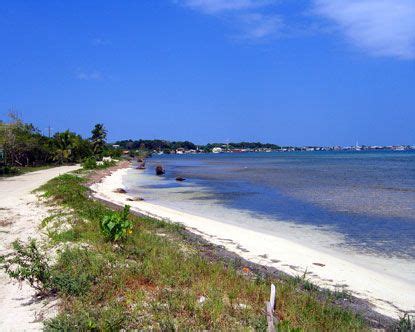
(365, 200)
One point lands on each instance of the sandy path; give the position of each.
(20, 215)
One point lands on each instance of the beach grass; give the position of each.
(158, 280)
(14, 171)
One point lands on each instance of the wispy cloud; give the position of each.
(246, 15)
(257, 25)
(216, 6)
(381, 27)
(100, 42)
(89, 76)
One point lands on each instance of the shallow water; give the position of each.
(360, 202)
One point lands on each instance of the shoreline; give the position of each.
(389, 296)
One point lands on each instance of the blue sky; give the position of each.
(292, 72)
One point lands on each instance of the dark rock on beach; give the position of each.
(120, 191)
(180, 179)
(135, 199)
(159, 170)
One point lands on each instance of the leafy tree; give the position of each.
(67, 147)
(98, 139)
(22, 144)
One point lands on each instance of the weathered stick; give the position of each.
(270, 310)
(272, 296)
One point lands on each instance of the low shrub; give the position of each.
(116, 226)
(27, 263)
(74, 273)
(90, 163)
(106, 163)
(9, 170)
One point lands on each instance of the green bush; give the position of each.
(27, 263)
(9, 170)
(116, 226)
(108, 164)
(90, 163)
(74, 273)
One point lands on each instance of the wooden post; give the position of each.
(270, 310)
(272, 296)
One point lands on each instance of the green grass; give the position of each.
(24, 170)
(156, 282)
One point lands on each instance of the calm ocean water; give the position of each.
(366, 200)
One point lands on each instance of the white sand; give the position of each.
(21, 213)
(388, 294)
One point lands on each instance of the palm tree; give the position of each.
(65, 143)
(98, 139)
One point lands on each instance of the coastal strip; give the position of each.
(388, 295)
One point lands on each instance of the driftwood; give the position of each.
(270, 306)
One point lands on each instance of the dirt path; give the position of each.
(21, 212)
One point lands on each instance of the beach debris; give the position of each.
(142, 166)
(180, 178)
(201, 299)
(319, 264)
(246, 269)
(243, 306)
(159, 170)
(135, 199)
(120, 191)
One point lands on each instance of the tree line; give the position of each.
(167, 146)
(243, 145)
(22, 145)
(155, 145)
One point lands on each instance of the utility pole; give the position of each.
(49, 129)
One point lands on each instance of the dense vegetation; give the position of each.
(157, 145)
(167, 146)
(152, 277)
(243, 145)
(23, 147)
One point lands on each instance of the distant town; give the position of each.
(186, 147)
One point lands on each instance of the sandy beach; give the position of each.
(21, 213)
(389, 295)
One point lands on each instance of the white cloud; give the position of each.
(258, 25)
(100, 42)
(246, 15)
(89, 76)
(216, 6)
(381, 27)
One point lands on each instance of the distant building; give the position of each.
(217, 150)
